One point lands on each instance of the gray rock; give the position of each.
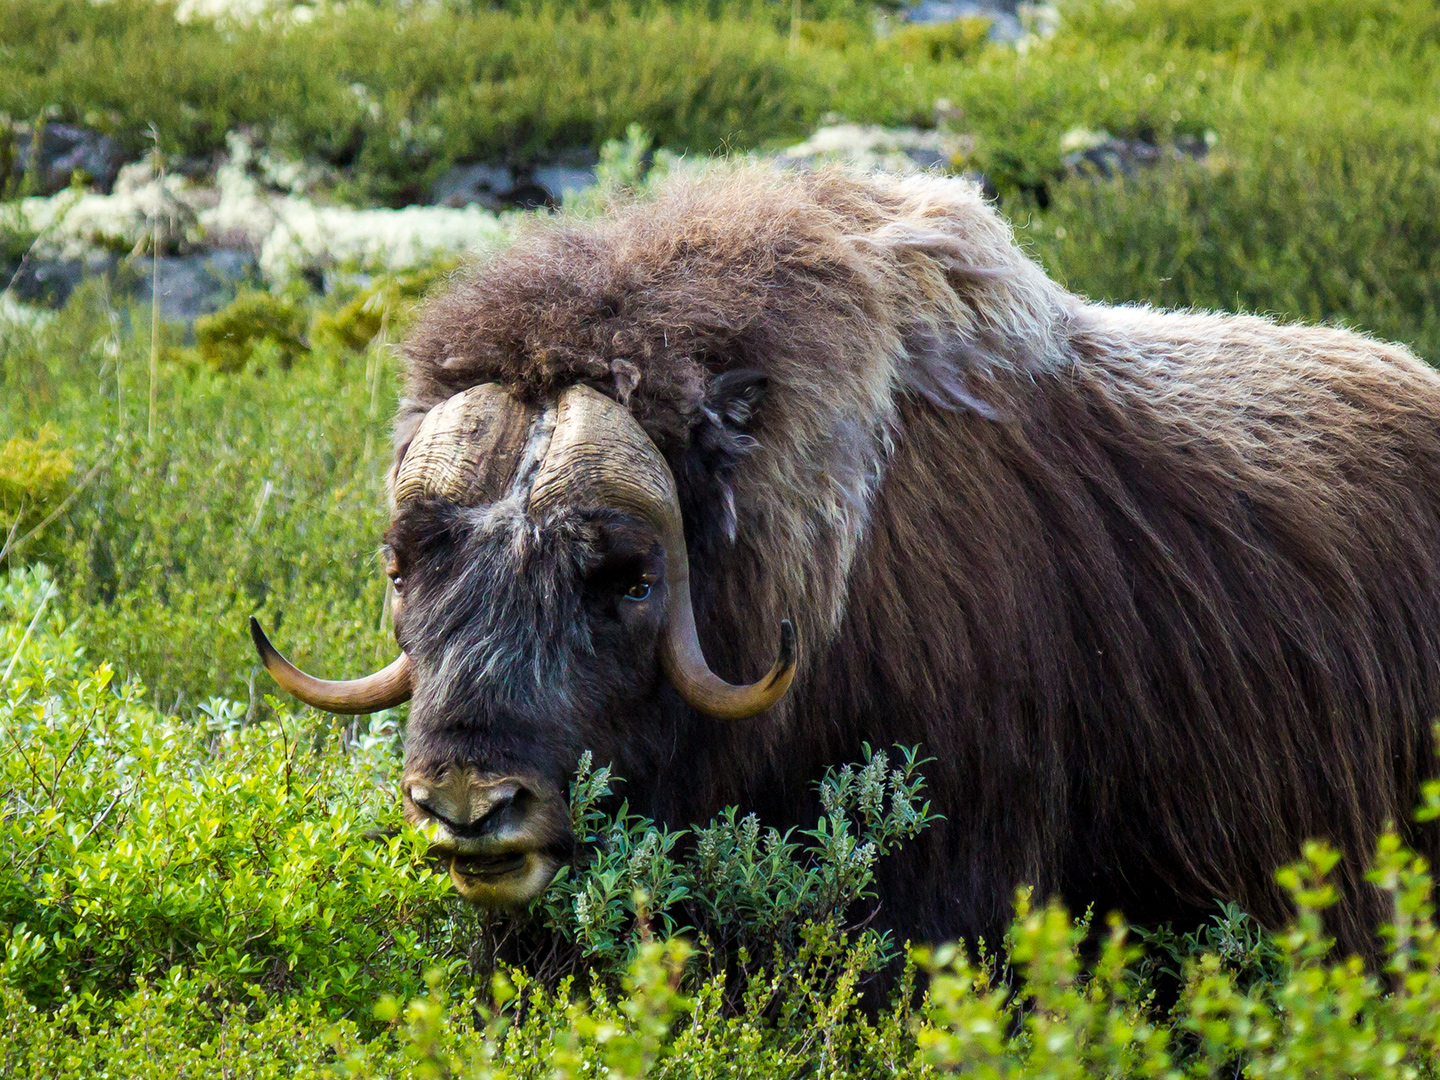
(1123, 157)
(190, 285)
(497, 187)
(927, 157)
(878, 149)
(51, 281)
(195, 285)
(563, 182)
(477, 183)
(64, 150)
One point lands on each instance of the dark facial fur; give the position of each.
(527, 648)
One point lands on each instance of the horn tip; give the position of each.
(268, 652)
(784, 669)
(787, 643)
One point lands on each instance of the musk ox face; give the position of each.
(530, 640)
(542, 601)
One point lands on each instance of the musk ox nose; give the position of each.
(484, 809)
(501, 836)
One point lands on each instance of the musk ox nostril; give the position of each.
(469, 806)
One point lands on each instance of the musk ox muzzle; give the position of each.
(501, 834)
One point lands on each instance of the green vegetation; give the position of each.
(394, 94)
(199, 877)
(233, 891)
(1318, 200)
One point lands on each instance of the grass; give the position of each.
(232, 891)
(1317, 202)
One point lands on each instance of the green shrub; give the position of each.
(743, 891)
(35, 475)
(380, 308)
(257, 862)
(1276, 28)
(198, 878)
(1340, 226)
(940, 42)
(209, 896)
(396, 93)
(255, 325)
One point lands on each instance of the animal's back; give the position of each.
(1184, 606)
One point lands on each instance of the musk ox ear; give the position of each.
(734, 396)
(729, 407)
(718, 445)
(942, 369)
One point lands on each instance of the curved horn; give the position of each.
(468, 448)
(385, 689)
(597, 446)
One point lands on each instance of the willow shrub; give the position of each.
(261, 491)
(1340, 225)
(205, 879)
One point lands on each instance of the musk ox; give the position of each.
(1158, 591)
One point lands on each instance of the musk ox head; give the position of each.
(542, 598)
(691, 399)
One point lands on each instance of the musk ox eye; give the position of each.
(639, 591)
(397, 581)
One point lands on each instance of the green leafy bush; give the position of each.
(34, 476)
(255, 322)
(1342, 229)
(748, 894)
(259, 864)
(395, 93)
(211, 895)
(198, 878)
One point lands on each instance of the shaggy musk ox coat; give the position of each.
(1159, 591)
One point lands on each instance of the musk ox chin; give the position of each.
(766, 466)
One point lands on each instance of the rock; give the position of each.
(562, 182)
(288, 234)
(190, 285)
(879, 149)
(50, 282)
(1100, 154)
(498, 187)
(64, 150)
(195, 285)
(474, 184)
(71, 223)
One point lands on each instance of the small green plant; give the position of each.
(942, 42)
(741, 890)
(257, 325)
(35, 475)
(231, 891)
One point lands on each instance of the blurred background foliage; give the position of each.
(1316, 201)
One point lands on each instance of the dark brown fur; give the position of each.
(1159, 591)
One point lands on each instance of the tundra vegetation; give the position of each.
(197, 876)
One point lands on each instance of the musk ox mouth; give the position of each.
(502, 881)
(501, 836)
